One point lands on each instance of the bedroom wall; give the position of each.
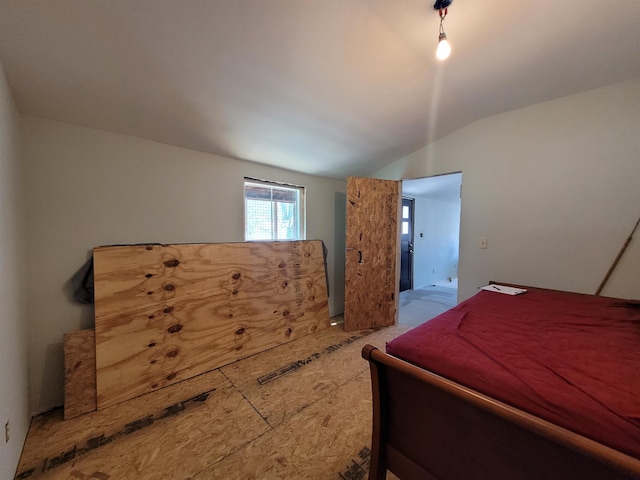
(555, 188)
(89, 187)
(14, 381)
(436, 252)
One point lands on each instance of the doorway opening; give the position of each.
(406, 244)
(430, 270)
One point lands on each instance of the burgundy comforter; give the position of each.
(571, 359)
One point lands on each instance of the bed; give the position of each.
(542, 385)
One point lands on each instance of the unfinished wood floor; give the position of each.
(300, 410)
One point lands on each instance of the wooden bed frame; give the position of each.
(427, 427)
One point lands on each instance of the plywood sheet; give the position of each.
(171, 433)
(79, 373)
(212, 426)
(372, 270)
(285, 380)
(165, 313)
(328, 440)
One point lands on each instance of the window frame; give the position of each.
(300, 206)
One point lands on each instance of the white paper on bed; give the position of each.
(503, 289)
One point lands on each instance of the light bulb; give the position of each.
(444, 49)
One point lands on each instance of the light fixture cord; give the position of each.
(442, 16)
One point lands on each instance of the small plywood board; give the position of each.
(79, 373)
(165, 313)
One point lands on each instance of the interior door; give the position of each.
(372, 269)
(406, 245)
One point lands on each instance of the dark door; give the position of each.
(406, 245)
(372, 254)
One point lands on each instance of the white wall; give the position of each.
(555, 187)
(436, 252)
(89, 187)
(14, 382)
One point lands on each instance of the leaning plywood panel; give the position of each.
(79, 373)
(165, 313)
(372, 270)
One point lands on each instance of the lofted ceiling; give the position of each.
(326, 87)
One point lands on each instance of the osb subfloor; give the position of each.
(301, 410)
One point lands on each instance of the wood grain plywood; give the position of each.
(372, 269)
(172, 433)
(321, 442)
(79, 373)
(165, 313)
(287, 379)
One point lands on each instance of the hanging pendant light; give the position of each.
(444, 49)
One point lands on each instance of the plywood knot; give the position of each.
(284, 285)
(149, 275)
(282, 265)
(167, 309)
(172, 263)
(174, 328)
(169, 287)
(151, 344)
(240, 331)
(172, 353)
(149, 248)
(285, 313)
(236, 276)
(171, 376)
(288, 332)
(325, 422)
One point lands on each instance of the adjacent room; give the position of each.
(210, 211)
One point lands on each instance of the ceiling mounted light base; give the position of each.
(440, 4)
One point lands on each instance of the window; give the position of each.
(405, 220)
(273, 211)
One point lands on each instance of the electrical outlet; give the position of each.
(482, 242)
(6, 432)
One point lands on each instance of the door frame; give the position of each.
(410, 243)
(410, 192)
